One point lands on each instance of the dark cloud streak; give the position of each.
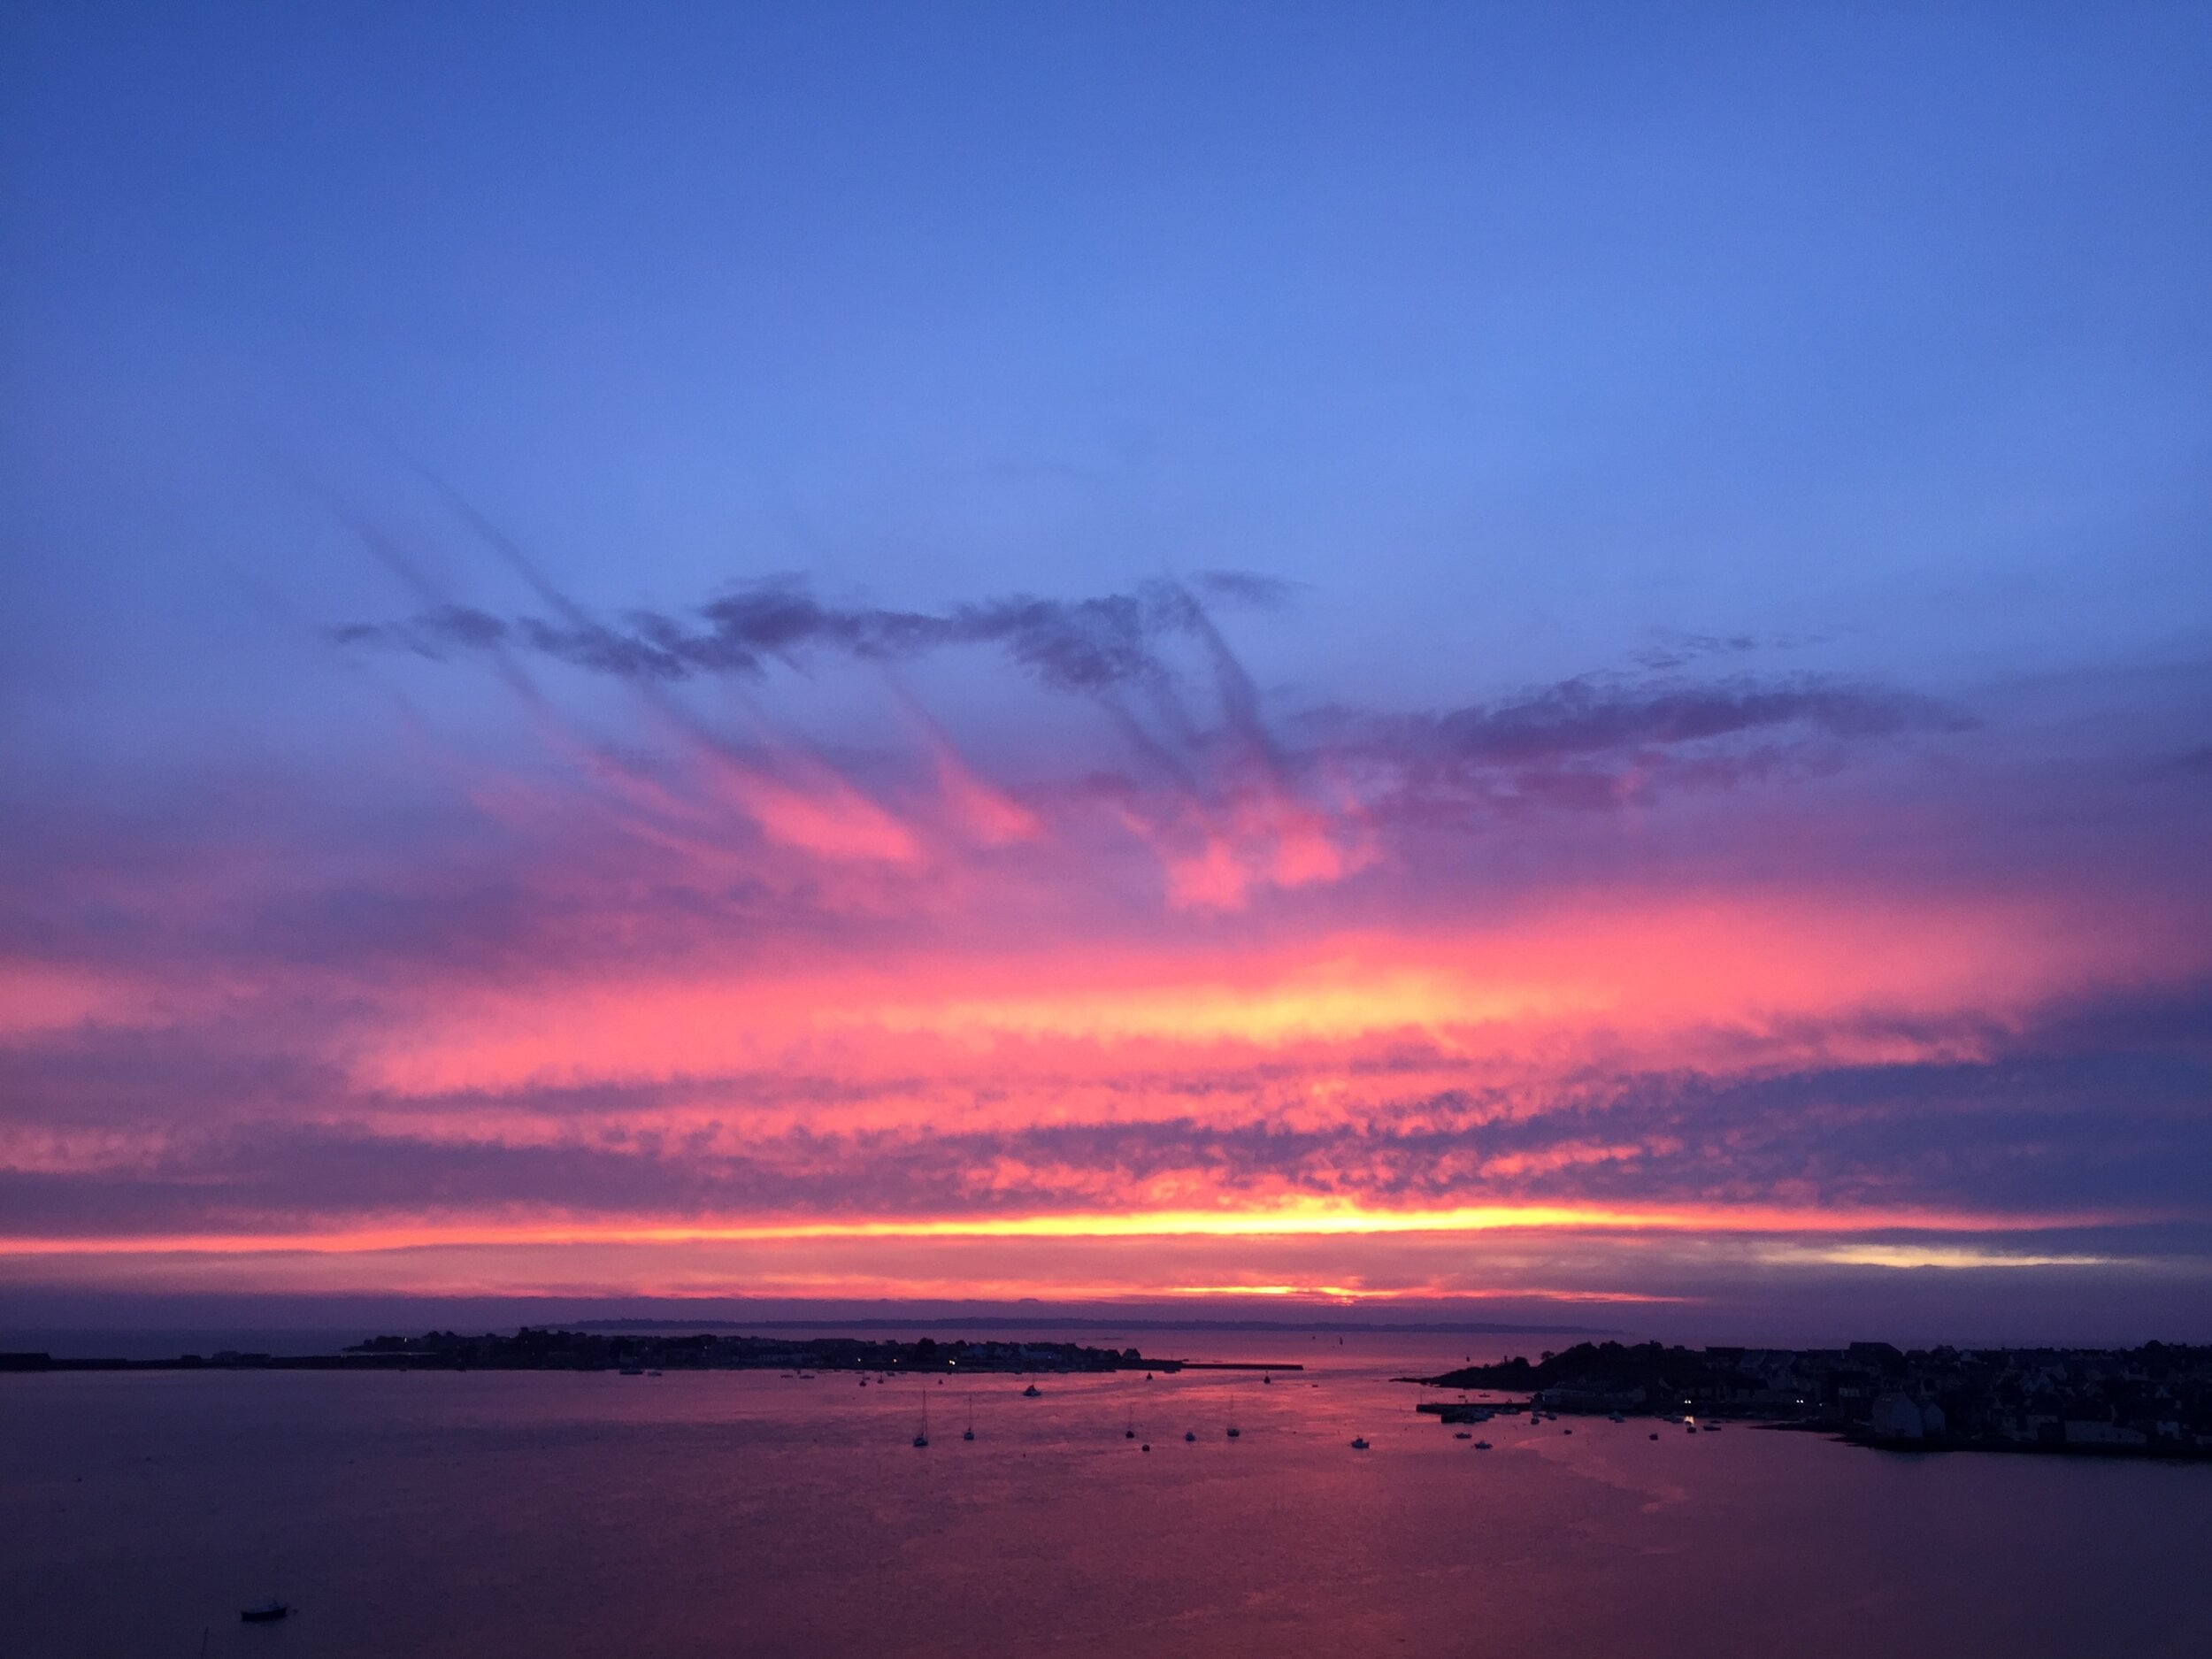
(1095, 644)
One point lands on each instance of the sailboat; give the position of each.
(970, 1434)
(921, 1438)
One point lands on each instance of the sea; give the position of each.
(487, 1513)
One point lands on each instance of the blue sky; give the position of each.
(1516, 333)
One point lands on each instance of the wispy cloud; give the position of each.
(1090, 644)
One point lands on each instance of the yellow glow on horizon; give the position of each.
(1300, 1219)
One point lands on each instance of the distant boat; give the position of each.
(633, 1370)
(1616, 1417)
(1566, 1430)
(1712, 1428)
(264, 1612)
(1482, 1446)
(921, 1437)
(1031, 1392)
(1189, 1435)
(1233, 1432)
(1359, 1442)
(1264, 1378)
(652, 1373)
(1463, 1435)
(970, 1434)
(1654, 1437)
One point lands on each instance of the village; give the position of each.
(2152, 1401)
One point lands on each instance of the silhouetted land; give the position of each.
(534, 1349)
(2155, 1400)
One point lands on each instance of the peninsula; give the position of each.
(534, 1349)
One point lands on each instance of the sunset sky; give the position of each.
(1245, 656)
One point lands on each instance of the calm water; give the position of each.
(431, 1514)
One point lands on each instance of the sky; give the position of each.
(1543, 662)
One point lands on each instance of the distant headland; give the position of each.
(533, 1349)
(2155, 1400)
